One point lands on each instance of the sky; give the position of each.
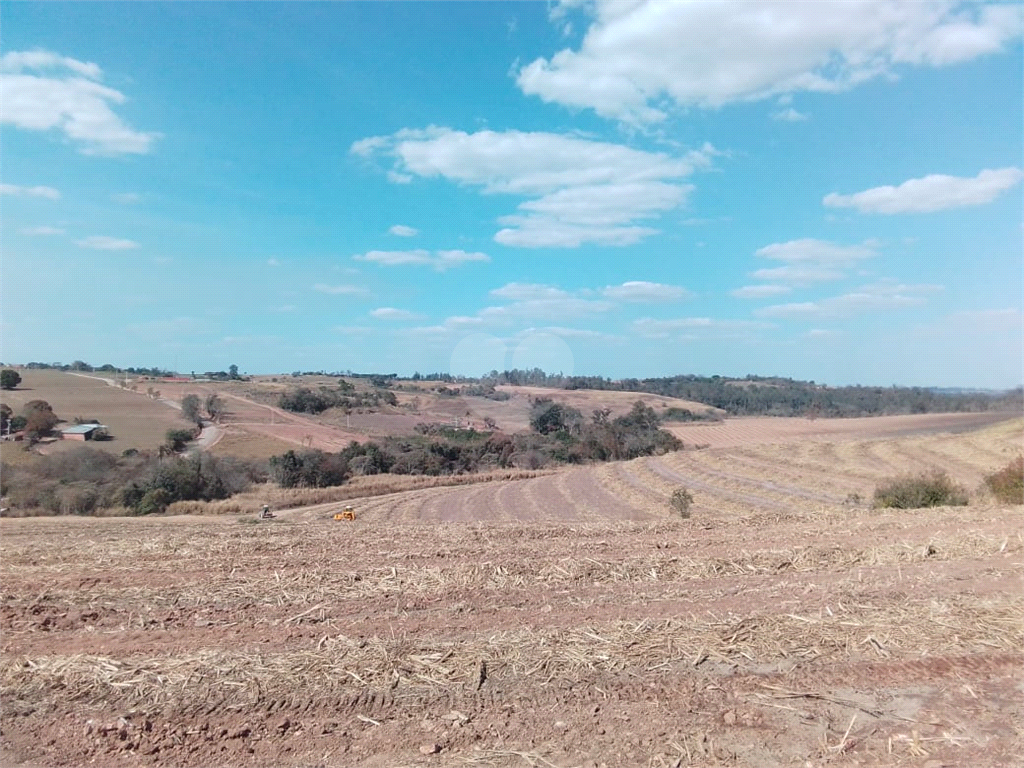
(626, 189)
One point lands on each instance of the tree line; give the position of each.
(776, 396)
(87, 481)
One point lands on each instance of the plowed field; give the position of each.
(561, 620)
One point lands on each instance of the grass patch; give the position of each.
(928, 489)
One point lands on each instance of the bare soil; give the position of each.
(563, 620)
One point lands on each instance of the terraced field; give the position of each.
(788, 477)
(560, 620)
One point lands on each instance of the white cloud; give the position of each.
(811, 261)
(930, 193)
(638, 59)
(552, 310)
(642, 291)
(789, 115)
(340, 290)
(403, 231)
(66, 94)
(529, 292)
(273, 263)
(880, 296)
(13, 189)
(42, 230)
(395, 258)
(692, 327)
(448, 259)
(440, 260)
(390, 313)
(570, 333)
(104, 243)
(581, 191)
(127, 198)
(759, 291)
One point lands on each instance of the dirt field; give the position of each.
(563, 620)
(749, 430)
(135, 420)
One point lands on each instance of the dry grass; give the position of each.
(247, 445)
(414, 666)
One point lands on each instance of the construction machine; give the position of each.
(346, 514)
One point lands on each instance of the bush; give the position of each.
(928, 489)
(681, 501)
(312, 469)
(177, 439)
(1007, 484)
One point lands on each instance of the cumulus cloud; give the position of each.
(41, 91)
(390, 313)
(13, 189)
(439, 260)
(642, 292)
(884, 295)
(639, 59)
(104, 243)
(403, 231)
(41, 230)
(580, 191)
(930, 193)
(810, 261)
(759, 291)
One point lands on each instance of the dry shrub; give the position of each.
(928, 489)
(681, 501)
(1007, 484)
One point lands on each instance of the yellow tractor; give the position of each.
(346, 514)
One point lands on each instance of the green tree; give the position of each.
(190, 408)
(177, 439)
(215, 406)
(39, 418)
(39, 423)
(233, 371)
(9, 379)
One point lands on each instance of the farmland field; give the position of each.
(565, 619)
(135, 420)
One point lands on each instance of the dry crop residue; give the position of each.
(781, 624)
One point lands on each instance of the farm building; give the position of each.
(80, 431)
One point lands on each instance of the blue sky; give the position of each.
(623, 189)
